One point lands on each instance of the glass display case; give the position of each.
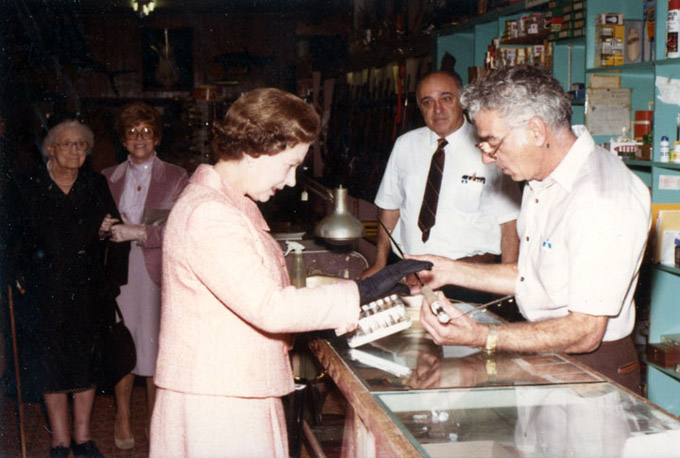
(594, 419)
(408, 396)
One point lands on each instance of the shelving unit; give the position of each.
(574, 61)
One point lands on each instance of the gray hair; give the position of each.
(518, 94)
(54, 132)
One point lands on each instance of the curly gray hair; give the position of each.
(518, 94)
(54, 132)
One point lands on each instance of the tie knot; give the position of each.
(442, 143)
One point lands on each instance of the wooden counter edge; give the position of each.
(374, 417)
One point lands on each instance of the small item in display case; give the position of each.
(378, 319)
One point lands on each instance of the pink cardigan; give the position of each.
(228, 309)
(167, 182)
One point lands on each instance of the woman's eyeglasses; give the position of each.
(67, 145)
(145, 132)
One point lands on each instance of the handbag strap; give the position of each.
(118, 312)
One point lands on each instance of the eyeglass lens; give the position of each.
(145, 132)
(79, 144)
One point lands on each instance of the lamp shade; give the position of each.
(340, 226)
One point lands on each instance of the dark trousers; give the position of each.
(618, 360)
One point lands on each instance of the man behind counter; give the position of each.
(469, 213)
(583, 228)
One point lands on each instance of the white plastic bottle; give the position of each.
(298, 274)
(664, 150)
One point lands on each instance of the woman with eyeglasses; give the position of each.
(67, 268)
(145, 189)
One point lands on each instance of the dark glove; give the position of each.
(386, 280)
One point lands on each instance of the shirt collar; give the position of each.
(567, 170)
(452, 138)
(144, 166)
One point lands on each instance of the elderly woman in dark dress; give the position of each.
(64, 212)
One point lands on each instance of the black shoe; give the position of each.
(59, 452)
(86, 449)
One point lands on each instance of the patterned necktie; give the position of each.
(428, 209)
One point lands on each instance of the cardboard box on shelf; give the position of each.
(609, 41)
(604, 81)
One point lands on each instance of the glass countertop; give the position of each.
(410, 360)
(576, 420)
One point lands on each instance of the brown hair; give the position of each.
(264, 121)
(134, 113)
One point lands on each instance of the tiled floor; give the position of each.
(38, 437)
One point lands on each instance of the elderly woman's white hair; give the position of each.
(54, 132)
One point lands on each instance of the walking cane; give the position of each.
(16, 372)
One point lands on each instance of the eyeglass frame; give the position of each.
(493, 154)
(81, 145)
(133, 134)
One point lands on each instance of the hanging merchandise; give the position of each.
(673, 29)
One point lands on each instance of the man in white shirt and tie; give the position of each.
(477, 206)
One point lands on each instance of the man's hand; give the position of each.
(461, 330)
(436, 277)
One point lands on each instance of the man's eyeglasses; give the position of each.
(489, 150)
(145, 132)
(67, 145)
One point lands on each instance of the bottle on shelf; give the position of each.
(664, 150)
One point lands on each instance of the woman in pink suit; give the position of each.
(145, 189)
(229, 310)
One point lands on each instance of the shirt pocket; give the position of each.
(467, 195)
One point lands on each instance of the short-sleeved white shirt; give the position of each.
(583, 232)
(474, 199)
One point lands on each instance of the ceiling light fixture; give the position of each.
(143, 7)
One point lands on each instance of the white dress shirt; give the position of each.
(583, 232)
(474, 198)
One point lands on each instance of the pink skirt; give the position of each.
(201, 425)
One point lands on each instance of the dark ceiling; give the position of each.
(223, 6)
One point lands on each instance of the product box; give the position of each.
(609, 47)
(609, 19)
(663, 354)
(649, 11)
(632, 41)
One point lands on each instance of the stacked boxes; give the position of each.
(609, 39)
(567, 19)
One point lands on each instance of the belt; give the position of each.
(485, 258)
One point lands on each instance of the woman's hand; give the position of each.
(127, 232)
(107, 223)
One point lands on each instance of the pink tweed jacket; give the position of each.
(167, 183)
(228, 309)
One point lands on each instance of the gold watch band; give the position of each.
(491, 339)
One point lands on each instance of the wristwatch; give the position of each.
(491, 339)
